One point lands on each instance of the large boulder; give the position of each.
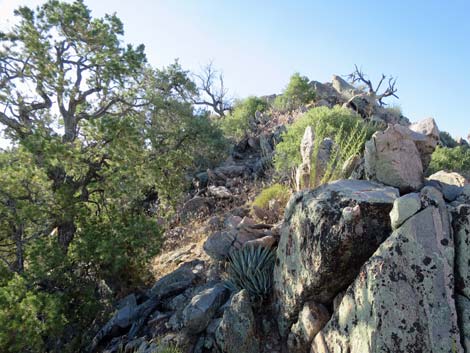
(427, 128)
(403, 298)
(237, 330)
(328, 233)
(392, 158)
(461, 226)
(463, 308)
(201, 309)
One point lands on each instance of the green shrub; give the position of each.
(447, 140)
(298, 92)
(28, 316)
(348, 131)
(171, 349)
(277, 192)
(251, 268)
(451, 159)
(237, 124)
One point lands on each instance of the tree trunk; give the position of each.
(66, 232)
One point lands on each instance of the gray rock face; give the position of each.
(461, 226)
(174, 282)
(463, 308)
(402, 300)
(202, 307)
(426, 146)
(328, 233)
(392, 158)
(403, 208)
(236, 332)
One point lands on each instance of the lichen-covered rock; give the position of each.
(403, 298)
(403, 208)
(203, 306)
(312, 318)
(237, 330)
(463, 311)
(328, 233)
(461, 226)
(392, 158)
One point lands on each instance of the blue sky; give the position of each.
(259, 44)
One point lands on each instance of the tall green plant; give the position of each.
(346, 129)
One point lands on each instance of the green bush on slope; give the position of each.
(451, 159)
(348, 131)
(237, 124)
(297, 93)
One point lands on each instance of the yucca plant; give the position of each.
(251, 268)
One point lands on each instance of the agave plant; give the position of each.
(251, 268)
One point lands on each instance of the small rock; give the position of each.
(403, 208)
(268, 242)
(220, 192)
(311, 320)
(202, 307)
(237, 330)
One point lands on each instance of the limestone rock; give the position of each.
(392, 158)
(237, 332)
(402, 300)
(403, 208)
(312, 318)
(202, 307)
(426, 146)
(320, 252)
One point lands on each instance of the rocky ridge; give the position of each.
(374, 263)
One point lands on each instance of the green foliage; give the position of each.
(277, 192)
(451, 159)
(27, 315)
(298, 92)
(171, 349)
(348, 131)
(251, 268)
(91, 177)
(447, 140)
(237, 124)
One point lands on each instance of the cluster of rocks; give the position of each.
(378, 262)
(227, 183)
(340, 92)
